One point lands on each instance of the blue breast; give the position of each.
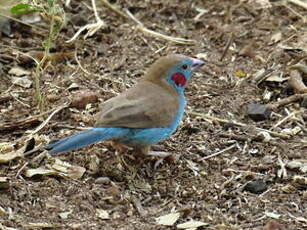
(151, 136)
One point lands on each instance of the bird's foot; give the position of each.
(121, 148)
(163, 156)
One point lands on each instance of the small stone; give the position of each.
(81, 99)
(102, 180)
(256, 187)
(258, 112)
(5, 27)
(53, 97)
(78, 20)
(4, 183)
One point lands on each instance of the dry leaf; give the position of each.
(291, 131)
(22, 81)
(192, 224)
(295, 164)
(40, 171)
(7, 228)
(300, 180)
(276, 78)
(71, 171)
(102, 214)
(261, 4)
(2, 212)
(288, 188)
(6, 147)
(4, 158)
(19, 71)
(64, 215)
(272, 215)
(169, 219)
(276, 37)
(301, 219)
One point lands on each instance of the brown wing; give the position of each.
(146, 105)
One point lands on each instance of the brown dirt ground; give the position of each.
(211, 190)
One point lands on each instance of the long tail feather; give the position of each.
(85, 138)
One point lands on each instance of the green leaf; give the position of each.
(50, 3)
(22, 8)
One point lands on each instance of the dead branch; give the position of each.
(286, 101)
(217, 153)
(33, 120)
(299, 3)
(229, 42)
(142, 28)
(238, 124)
(114, 9)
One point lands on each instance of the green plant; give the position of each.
(55, 15)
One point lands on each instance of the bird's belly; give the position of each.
(150, 136)
(146, 136)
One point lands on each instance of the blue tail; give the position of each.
(86, 138)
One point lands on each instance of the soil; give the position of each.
(238, 39)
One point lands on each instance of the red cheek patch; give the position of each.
(179, 79)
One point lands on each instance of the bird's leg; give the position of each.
(120, 147)
(146, 151)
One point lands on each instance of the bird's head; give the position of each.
(175, 69)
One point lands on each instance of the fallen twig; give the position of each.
(41, 31)
(92, 28)
(21, 169)
(142, 28)
(288, 117)
(286, 101)
(166, 37)
(282, 172)
(138, 206)
(236, 137)
(296, 13)
(159, 35)
(114, 9)
(299, 3)
(218, 153)
(48, 119)
(229, 42)
(239, 124)
(29, 121)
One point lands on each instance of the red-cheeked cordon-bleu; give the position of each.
(143, 115)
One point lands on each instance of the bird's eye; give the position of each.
(184, 66)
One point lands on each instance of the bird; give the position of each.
(143, 115)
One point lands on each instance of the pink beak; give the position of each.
(197, 63)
